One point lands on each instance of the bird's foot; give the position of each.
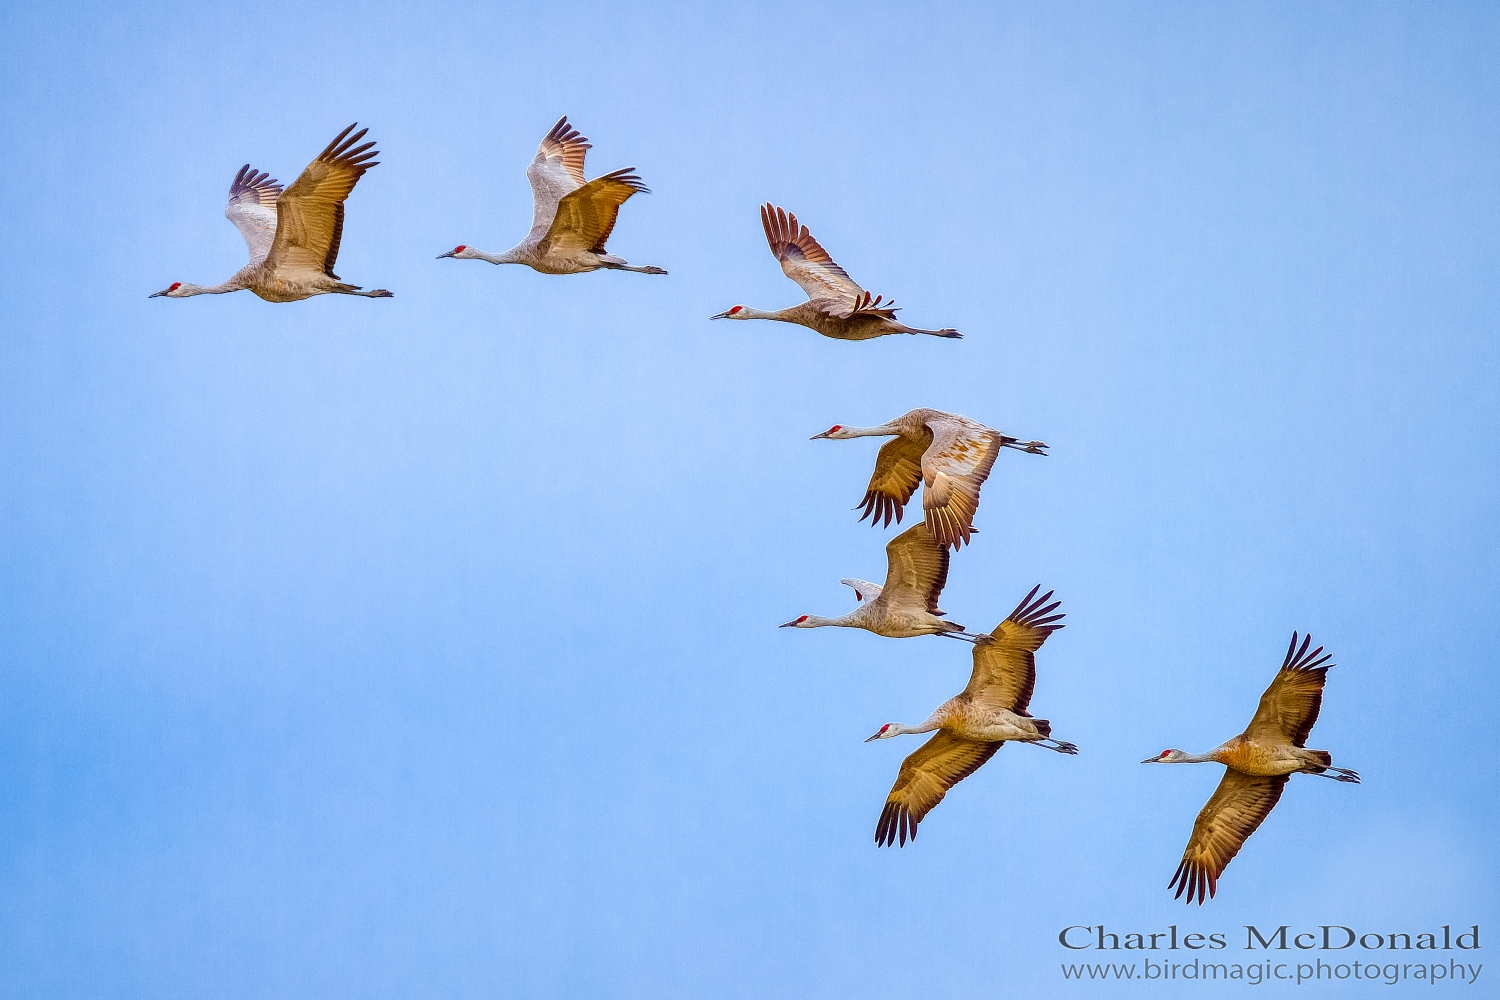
(379, 293)
(1064, 747)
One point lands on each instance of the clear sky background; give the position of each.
(427, 647)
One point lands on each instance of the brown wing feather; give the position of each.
(586, 217)
(898, 473)
(254, 187)
(567, 144)
(1290, 705)
(1005, 670)
(916, 569)
(925, 777)
(805, 261)
(1232, 814)
(310, 213)
(953, 470)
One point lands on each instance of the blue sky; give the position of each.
(426, 647)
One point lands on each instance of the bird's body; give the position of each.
(949, 455)
(907, 604)
(1258, 763)
(836, 306)
(571, 217)
(972, 725)
(293, 235)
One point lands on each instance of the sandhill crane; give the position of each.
(976, 722)
(293, 235)
(908, 603)
(571, 217)
(836, 307)
(950, 454)
(1259, 761)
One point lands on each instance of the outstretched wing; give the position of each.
(898, 472)
(925, 777)
(827, 285)
(953, 468)
(252, 209)
(556, 170)
(916, 570)
(1290, 705)
(1005, 670)
(1234, 812)
(586, 217)
(310, 213)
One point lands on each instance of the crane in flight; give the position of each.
(293, 235)
(1258, 763)
(976, 722)
(571, 217)
(836, 307)
(949, 454)
(907, 604)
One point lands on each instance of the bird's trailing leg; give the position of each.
(618, 264)
(968, 637)
(374, 293)
(1340, 774)
(1030, 447)
(1061, 746)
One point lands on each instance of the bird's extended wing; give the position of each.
(556, 170)
(925, 777)
(827, 285)
(1005, 670)
(898, 473)
(917, 569)
(585, 218)
(1234, 811)
(310, 213)
(953, 469)
(252, 209)
(1290, 705)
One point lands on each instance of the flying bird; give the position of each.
(1258, 763)
(907, 604)
(293, 235)
(571, 217)
(951, 455)
(836, 307)
(975, 723)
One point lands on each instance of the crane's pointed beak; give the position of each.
(722, 315)
(155, 295)
(875, 737)
(450, 253)
(816, 437)
(1151, 760)
(788, 624)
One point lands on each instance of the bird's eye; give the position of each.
(175, 285)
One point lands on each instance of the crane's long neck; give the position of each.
(815, 621)
(1196, 758)
(926, 727)
(750, 312)
(232, 285)
(884, 430)
(511, 256)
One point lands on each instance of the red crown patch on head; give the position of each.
(175, 285)
(735, 310)
(460, 248)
